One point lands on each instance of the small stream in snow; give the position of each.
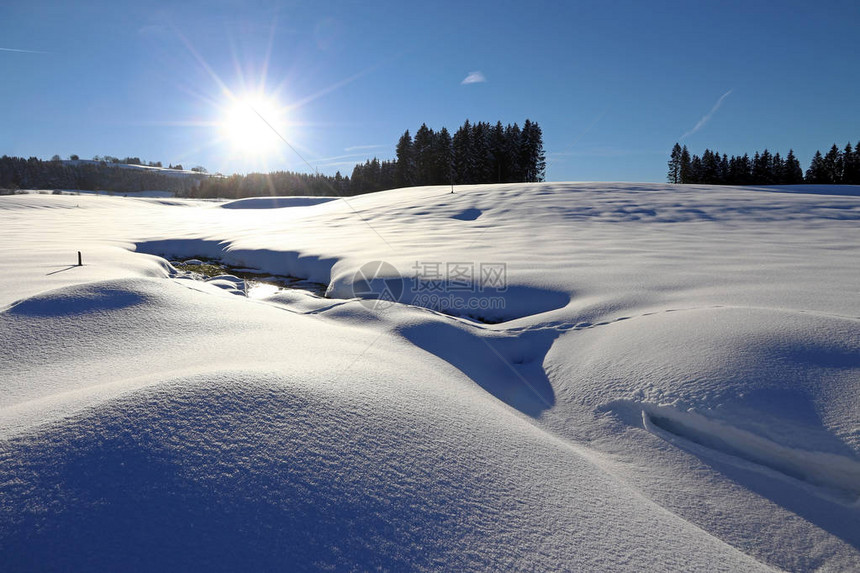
(243, 281)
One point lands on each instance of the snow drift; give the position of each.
(669, 379)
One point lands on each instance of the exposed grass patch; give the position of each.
(202, 269)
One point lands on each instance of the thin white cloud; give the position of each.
(22, 51)
(474, 78)
(707, 117)
(364, 147)
(337, 157)
(340, 164)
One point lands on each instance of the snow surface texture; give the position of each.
(667, 379)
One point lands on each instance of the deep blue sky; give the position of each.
(613, 84)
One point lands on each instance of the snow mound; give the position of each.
(835, 473)
(668, 379)
(71, 301)
(508, 367)
(229, 283)
(242, 470)
(765, 396)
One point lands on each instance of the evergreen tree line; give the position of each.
(34, 173)
(476, 153)
(271, 184)
(836, 167)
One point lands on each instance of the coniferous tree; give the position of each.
(757, 169)
(674, 173)
(850, 166)
(405, 172)
(724, 169)
(443, 158)
(856, 165)
(423, 146)
(778, 170)
(498, 153)
(793, 174)
(732, 173)
(833, 166)
(481, 152)
(696, 169)
(532, 156)
(762, 168)
(374, 175)
(539, 155)
(388, 175)
(464, 158)
(513, 141)
(746, 165)
(357, 182)
(710, 167)
(816, 173)
(686, 166)
(525, 154)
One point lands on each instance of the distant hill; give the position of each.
(92, 175)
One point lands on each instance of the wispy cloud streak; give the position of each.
(336, 157)
(707, 117)
(22, 51)
(365, 147)
(474, 78)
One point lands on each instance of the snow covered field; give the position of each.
(574, 376)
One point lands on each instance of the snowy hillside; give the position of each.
(560, 376)
(152, 168)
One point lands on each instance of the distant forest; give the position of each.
(102, 174)
(838, 166)
(276, 183)
(477, 153)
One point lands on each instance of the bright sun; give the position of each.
(250, 125)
